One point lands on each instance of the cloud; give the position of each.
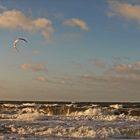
(126, 10)
(127, 71)
(75, 22)
(127, 68)
(14, 19)
(111, 79)
(119, 73)
(34, 67)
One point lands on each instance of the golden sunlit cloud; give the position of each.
(119, 73)
(75, 22)
(129, 69)
(34, 67)
(14, 19)
(109, 79)
(126, 10)
(123, 68)
(127, 72)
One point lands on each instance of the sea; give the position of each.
(33, 120)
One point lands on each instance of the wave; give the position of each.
(67, 109)
(71, 131)
(69, 121)
(90, 114)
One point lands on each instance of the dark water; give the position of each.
(69, 120)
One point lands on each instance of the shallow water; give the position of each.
(66, 120)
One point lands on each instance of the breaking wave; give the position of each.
(69, 120)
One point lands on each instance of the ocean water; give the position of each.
(69, 121)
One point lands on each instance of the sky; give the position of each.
(77, 50)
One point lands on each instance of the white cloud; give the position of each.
(75, 22)
(14, 19)
(34, 67)
(125, 10)
(119, 73)
(129, 69)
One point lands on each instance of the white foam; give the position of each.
(69, 105)
(50, 105)
(28, 104)
(96, 126)
(10, 105)
(90, 111)
(28, 110)
(94, 105)
(91, 122)
(116, 106)
(58, 131)
(28, 116)
(75, 132)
